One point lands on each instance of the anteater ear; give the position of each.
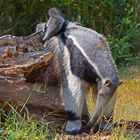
(107, 82)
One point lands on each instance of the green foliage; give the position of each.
(118, 20)
(121, 51)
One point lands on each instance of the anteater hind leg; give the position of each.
(85, 111)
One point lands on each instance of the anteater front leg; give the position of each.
(73, 100)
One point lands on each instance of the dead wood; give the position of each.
(23, 65)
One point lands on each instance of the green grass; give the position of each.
(15, 127)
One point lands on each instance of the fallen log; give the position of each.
(23, 65)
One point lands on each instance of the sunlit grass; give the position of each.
(128, 100)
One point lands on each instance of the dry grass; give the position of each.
(128, 100)
(128, 96)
